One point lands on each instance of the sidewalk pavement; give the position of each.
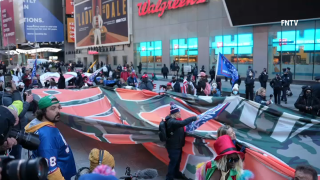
(226, 87)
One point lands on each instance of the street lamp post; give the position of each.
(8, 49)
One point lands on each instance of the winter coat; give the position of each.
(304, 101)
(164, 70)
(176, 86)
(249, 82)
(276, 83)
(176, 133)
(124, 75)
(146, 85)
(261, 100)
(263, 77)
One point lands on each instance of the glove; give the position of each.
(243, 149)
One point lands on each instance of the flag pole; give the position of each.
(217, 64)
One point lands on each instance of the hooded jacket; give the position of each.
(164, 70)
(54, 148)
(61, 82)
(146, 84)
(305, 101)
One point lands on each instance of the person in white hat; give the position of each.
(235, 90)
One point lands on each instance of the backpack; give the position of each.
(207, 90)
(190, 89)
(163, 131)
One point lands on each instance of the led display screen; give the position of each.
(184, 47)
(153, 48)
(242, 43)
(294, 40)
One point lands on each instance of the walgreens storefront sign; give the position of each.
(150, 8)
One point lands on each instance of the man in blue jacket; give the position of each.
(53, 147)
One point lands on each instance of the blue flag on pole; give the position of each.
(226, 68)
(34, 70)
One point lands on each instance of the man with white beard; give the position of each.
(97, 25)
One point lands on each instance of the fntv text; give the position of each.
(289, 22)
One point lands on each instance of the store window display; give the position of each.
(150, 55)
(184, 51)
(295, 47)
(236, 46)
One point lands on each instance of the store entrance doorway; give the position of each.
(96, 59)
(85, 62)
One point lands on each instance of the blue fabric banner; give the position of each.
(206, 116)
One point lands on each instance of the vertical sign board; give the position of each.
(44, 21)
(69, 6)
(101, 22)
(7, 17)
(70, 25)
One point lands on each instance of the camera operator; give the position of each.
(13, 99)
(52, 146)
(261, 97)
(10, 118)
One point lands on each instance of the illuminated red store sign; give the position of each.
(150, 8)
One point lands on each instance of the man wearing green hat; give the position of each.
(52, 146)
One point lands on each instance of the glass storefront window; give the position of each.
(150, 55)
(294, 47)
(184, 51)
(237, 48)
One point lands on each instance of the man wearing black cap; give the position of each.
(289, 77)
(276, 84)
(316, 87)
(263, 78)
(308, 103)
(285, 85)
(176, 140)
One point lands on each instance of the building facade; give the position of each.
(196, 34)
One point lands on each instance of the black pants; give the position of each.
(212, 78)
(182, 74)
(264, 85)
(284, 94)
(174, 164)
(226, 78)
(165, 75)
(277, 94)
(139, 71)
(249, 93)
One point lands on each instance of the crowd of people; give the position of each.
(228, 165)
